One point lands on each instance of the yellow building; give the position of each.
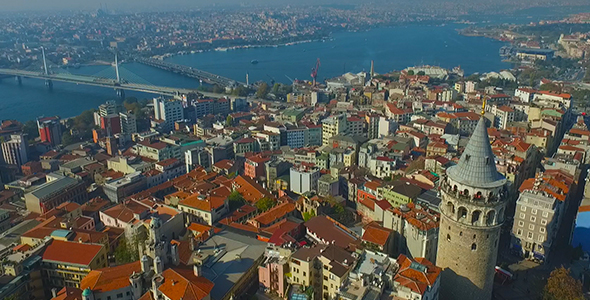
(323, 267)
(65, 263)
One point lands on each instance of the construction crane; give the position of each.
(314, 72)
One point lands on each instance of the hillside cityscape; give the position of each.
(423, 183)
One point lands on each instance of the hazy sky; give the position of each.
(19, 5)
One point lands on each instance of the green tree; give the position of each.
(265, 204)
(421, 73)
(67, 138)
(235, 200)
(562, 286)
(308, 215)
(229, 121)
(218, 89)
(30, 128)
(125, 252)
(262, 91)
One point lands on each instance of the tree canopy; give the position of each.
(562, 286)
(265, 204)
(262, 90)
(235, 200)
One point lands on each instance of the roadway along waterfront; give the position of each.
(390, 48)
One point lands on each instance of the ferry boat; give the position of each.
(254, 61)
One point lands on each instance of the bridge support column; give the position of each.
(19, 80)
(121, 93)
(49, 83)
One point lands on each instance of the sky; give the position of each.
(53, 5)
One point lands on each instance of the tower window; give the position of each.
(488, 160)
(467, 157)
(448, 237)
(473, 247)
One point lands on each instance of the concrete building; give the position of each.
(14, 151)
(117, 189)
(128, 123)
(197, 157)
(55, 192)
(472, 213)
(304, 179)
(275, 169)
(168, 111)
(539, 212)
(66, 263)
(333, 125)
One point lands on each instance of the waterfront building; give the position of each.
(14, 151)
(167, 111)
(50, 130)
(472, 214)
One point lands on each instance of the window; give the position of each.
(521, 223)
(530, 235)
(522, 216)
(545, 214)
(523, 208)
(542, 229)
(448, 237)
(531, 227)
(541, 238)
(534, 211)
(543, 222)
(533, 219)
(519, 232)
(304, 273)
(473, 247)
(120, 295)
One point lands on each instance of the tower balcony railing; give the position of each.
(461, 195)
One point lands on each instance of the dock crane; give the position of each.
(314, 72)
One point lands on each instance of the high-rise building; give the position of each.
(14, 151)
(111, 124)
(472, 214)
(128, 122)
(109, 108)
(50, 130)
(332, 126)
(169, 111)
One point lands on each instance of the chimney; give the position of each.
(54, 293)
(197, 270)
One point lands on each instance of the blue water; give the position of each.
(390, 48)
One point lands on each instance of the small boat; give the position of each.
(254, 61)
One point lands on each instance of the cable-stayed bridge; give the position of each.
(122, 80)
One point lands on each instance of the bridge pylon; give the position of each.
(19, 79)
(120, 93)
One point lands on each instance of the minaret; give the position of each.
(472, 213)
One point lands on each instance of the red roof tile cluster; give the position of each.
(418, 278)
(110, 278)
(376, 234)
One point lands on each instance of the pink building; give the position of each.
(254, 166)
(271, 274)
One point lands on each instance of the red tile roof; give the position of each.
(275, 213)
(71, 252)
(181, 283)
(376, 234)
(110, 278)
(414, 279)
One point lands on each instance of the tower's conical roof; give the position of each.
(477, 167)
